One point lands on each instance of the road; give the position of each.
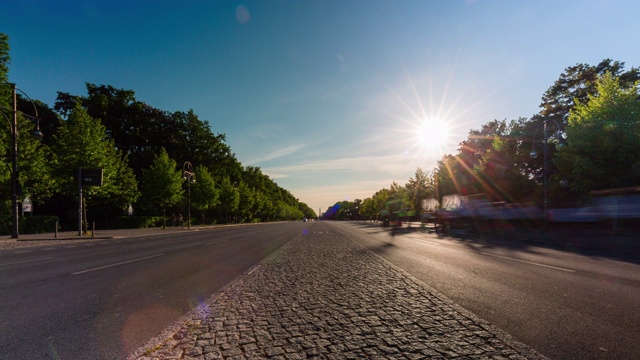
(564, 305)
(104, 299)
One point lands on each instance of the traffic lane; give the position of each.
(72, 306)
(560, 313)
(107, 312)
(50, 261)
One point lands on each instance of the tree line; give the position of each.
(142, 150)
(592, 119)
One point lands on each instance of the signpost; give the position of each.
(87, 177)
(27, 206)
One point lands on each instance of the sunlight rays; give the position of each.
(423, 127)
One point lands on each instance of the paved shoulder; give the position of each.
(324, 296)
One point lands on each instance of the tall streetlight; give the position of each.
(545, 169)
(190, 177)
(14, 126)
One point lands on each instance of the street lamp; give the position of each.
(14, 126)
(545, 170)
(190, 177)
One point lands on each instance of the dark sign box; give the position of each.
(91, 177)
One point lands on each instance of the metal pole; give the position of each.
(80, 202)
(189, 176)
(189, 202)
(546, 176)
(14, 172)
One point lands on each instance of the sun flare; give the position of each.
(433, 133)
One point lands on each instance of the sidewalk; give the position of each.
(323, 296)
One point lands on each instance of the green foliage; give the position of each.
(36, 164)
(576, 84)
(420, 187)
(204, 193)
(81, 142)
(109, 128)
(5, 59)
(140, 131)
(286, 212)
(161, 183)
(307, 211)
(246, 201)
(34, 160)
(603, 138)
(229, 197)
(28, 224)
(139, 222)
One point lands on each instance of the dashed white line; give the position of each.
(116, 264)
(25, 261)
(530, 263)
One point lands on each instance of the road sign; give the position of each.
(27, 205)
(91, 177)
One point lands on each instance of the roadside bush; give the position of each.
(28, 224)
(136, 222)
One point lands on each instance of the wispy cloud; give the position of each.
(383, 165)
(278, 153)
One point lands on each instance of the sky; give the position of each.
(333, 100)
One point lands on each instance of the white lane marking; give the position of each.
(120, 263)
(530, 263)
(25, 261)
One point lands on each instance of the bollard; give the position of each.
(56, 230)
(93, 229)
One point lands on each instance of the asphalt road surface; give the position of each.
(562, 304)
(104, 299)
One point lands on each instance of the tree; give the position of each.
(229, 197)
(502, 169)
(140, 130)
(576, 84)
(603, 138)
(258, 208)
(246, 201)
(420, 187)
(308, 212)
(5, 59)
(34, 160)
(380, 199)
(368, 208)
(204, 193)
(161, 183)
(81, 142)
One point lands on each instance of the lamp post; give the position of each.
(190, 177)
(545, 169)
(14, 126)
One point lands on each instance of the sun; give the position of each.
(433, 133)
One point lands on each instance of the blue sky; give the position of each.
(326, 97)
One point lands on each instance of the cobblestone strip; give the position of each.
(323, 296)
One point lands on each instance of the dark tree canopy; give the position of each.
(140, 131)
